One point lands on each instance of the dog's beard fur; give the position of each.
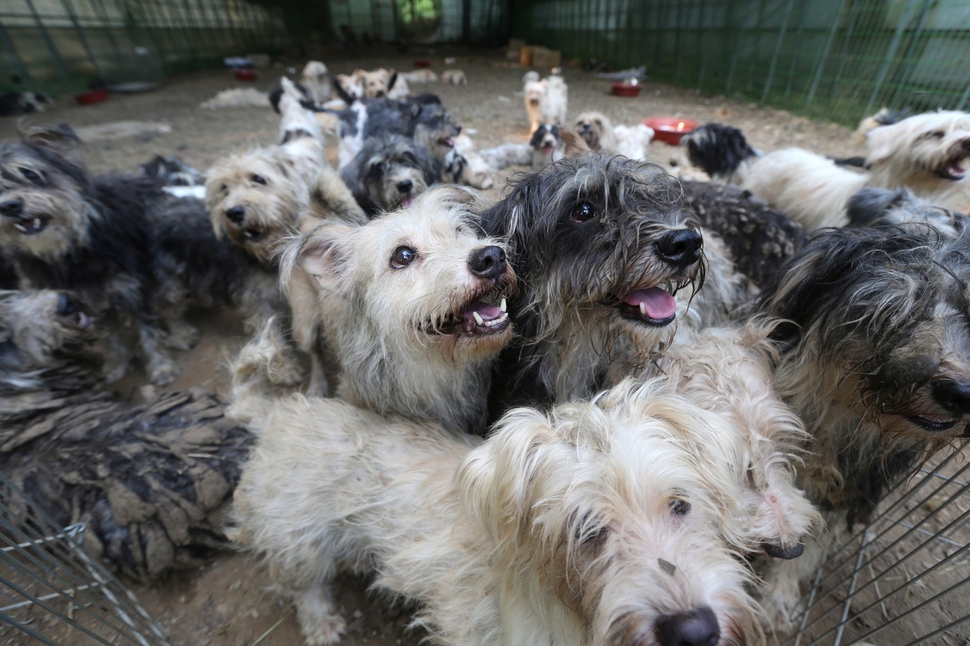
(583, 235)
(389, 172)
(404, 334)
(597, 131)
(47, 338)
(594, 524)
(863, 358)
(273, 197)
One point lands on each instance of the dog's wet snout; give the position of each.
(781, 552)
(488, 262)
(65, 305)
(695, 628)
(954, 396)
(405, 186)
(680, 248)
(236, 214)
(12, 208)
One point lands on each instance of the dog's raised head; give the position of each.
(44, 187)
(599, 241)
(604, 521)
(413, 298)
(256, 198)
(882, 207)
(546, 139)
(378, 83)
(43, 333)
(927, 152)
(596, 130)
(433, 127)
(350, 87)
(389, 172)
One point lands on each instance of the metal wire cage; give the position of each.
(901, 580)
(53, 592)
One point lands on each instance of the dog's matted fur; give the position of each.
(389, 172)
(601, 247)
(882, 207)
(413, 305)
(594, 524)
(875, 360)
(925, 153)
(64, 229)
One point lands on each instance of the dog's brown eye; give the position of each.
(259, 179)
(583, 212)
(679, 507)
(403, 256)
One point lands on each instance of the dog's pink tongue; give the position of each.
(486, 311)
(657, 302)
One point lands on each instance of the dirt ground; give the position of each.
(227, 602)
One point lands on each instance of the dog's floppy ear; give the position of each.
(60, 139)
(322, 252)
(496, 481)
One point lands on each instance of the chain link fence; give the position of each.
(832, 59)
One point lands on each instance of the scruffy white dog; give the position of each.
(545, 101)
(926, 153)
(601, 135)
(316, 79)
(420, 76)
(454, 77)
(592, 524)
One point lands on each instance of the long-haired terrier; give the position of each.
(64, 229)
(550, 143)
(389, 172)
(601, 248)
(925, 153)
(415, 332)
(601, 135)
(882, 207)
(593, 524)
(546, 101)
(875, 358)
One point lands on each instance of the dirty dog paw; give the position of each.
(324, 630)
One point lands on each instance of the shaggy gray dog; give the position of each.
(389, 172)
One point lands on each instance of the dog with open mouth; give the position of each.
(926, 153)
(414, 307)
(875, 359)
(390, 171)
(61, 228)
(551, 143)
(601, 247)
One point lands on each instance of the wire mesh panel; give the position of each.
(837, 59)
(905, 578)
(51, 591)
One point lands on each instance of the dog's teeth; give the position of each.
(478, 318)
(643, 309)
(20, 227)
(502, 306)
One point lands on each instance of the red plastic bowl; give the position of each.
(94, 96)
(626, 89)
(422, 62)
(244, 74)
(670, 130)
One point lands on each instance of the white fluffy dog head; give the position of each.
(316, 79)
(926, 152)
(602, 508)
(596, 130)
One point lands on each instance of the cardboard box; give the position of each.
(525, 56)
(542, 57)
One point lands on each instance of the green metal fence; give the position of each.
(62, 46)
(832, 59)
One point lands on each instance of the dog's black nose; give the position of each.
(681, 248)
(405, 186)
(236, 214)
(65, 305)
(695, 628)
(12, 208)
(952, 395)
(488, 262)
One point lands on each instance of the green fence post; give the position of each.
(774, 59)
(890, 54)
(734, 59)
(910, 51)
(798, 40)
(80, 34)
(58, 61)
(106, 20)
(823, 59)
(846, 44)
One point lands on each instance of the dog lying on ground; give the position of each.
(601, 247)
(925, 153)
(146, 480)
(556, 529)
(878, 369)
(64, 229)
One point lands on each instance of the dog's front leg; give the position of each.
(319, 621)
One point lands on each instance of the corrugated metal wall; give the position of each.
(834, 59)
